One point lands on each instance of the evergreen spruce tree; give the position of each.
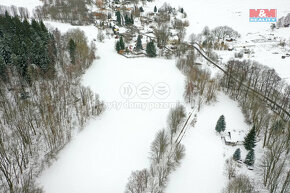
(155, 9)
(141, 9)
(72, 49)
(221, 124)
(127, 20)
(118, 14)
(250, 158)
(118, 47)
(35, 25)
(132, 19)
(237, 154)
(22, 44)
(250, 139)
(151, 49)
(181, 10)
(122, 44)
(139, 43)
(42, 26)
(2, 68)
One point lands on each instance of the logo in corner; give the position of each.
(263, 15)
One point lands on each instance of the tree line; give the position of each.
(271, 123)
(68, 11)
(272, 126)
(165, 156)
(39, 116)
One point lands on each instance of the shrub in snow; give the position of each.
(141, 9)
(230, 167)
(239, 54)
(237, 154)
(240, 184)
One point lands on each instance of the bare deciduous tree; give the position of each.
(240, 184)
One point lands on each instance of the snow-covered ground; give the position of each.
(202, 169)
(226, 12)
(102, 156)
(213, 13)
(266, 50)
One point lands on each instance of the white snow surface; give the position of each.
(235, 14)
(102, 156)
(202, 169)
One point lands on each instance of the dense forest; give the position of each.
(25, 45)
(42, 102)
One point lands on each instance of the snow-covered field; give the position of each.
(212, 13)
(226, 12)
(202, 169)
(102, 156)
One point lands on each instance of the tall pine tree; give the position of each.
(72, 50)
(122, 44)
(132, 19)
(250, 139)
(250, 158)
(127, 20)
(118, 47)
(221, 124)
(151, 49)
(155, 9)
(139, 43)
(119, 20)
